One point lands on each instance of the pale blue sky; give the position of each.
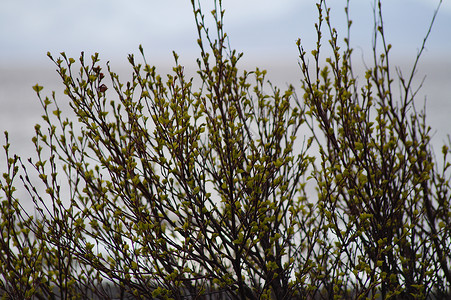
(28, 29)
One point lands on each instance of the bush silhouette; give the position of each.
(174, 192)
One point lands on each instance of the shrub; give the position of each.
(170, 191)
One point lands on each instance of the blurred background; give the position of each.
(265, 30)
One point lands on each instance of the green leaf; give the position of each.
(37, 88)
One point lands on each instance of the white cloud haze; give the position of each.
(28, 29)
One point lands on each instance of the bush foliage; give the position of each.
(183, 192)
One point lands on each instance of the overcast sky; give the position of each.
(265, 30)
(260, 28)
